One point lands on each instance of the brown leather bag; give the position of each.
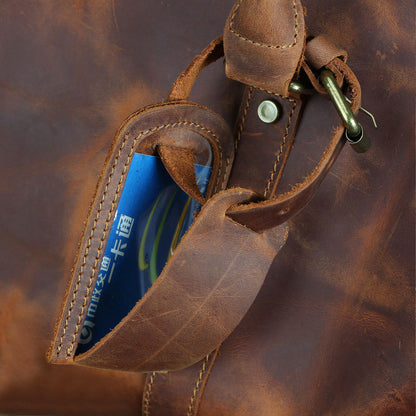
(328, 303)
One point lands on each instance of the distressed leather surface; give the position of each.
(194, 305)
(334, 335)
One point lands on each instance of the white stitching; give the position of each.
(146, 400)
(197, 385)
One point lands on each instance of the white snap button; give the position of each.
(268, 111)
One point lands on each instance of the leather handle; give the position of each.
(182, 87)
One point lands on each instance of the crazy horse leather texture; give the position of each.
(332, 330)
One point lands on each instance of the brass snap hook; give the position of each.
(354, 131)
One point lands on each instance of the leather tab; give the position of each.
(264, 42)
(270, 213)
(263, 149)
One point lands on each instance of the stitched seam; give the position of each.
(224, 178)
(241, 126)
(282, 144)
(86, 254)
(264, 45)
(146, 400)
(197, 386)
(81, 272)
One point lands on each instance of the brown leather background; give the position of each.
(332, 331)
(70, 73)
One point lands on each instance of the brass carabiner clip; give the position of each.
(354, 131)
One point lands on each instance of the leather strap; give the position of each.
(195, 303)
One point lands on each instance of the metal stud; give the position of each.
(268, 111)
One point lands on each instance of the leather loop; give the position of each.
(270, 213)
(179, 163)
(182, 87)
(182, 125)
(321, 50)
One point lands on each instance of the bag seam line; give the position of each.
(197, 385)
(282, 144)
(148, 395)
(243, 119)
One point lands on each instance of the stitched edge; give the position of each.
(86, 254)
(282, 144)
(264, 45)
(78, 282)
(197, 385)
(146, 399)
(225, 173)
(243, 119)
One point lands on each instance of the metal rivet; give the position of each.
(268, 111)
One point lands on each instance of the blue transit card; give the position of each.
(152, 216)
